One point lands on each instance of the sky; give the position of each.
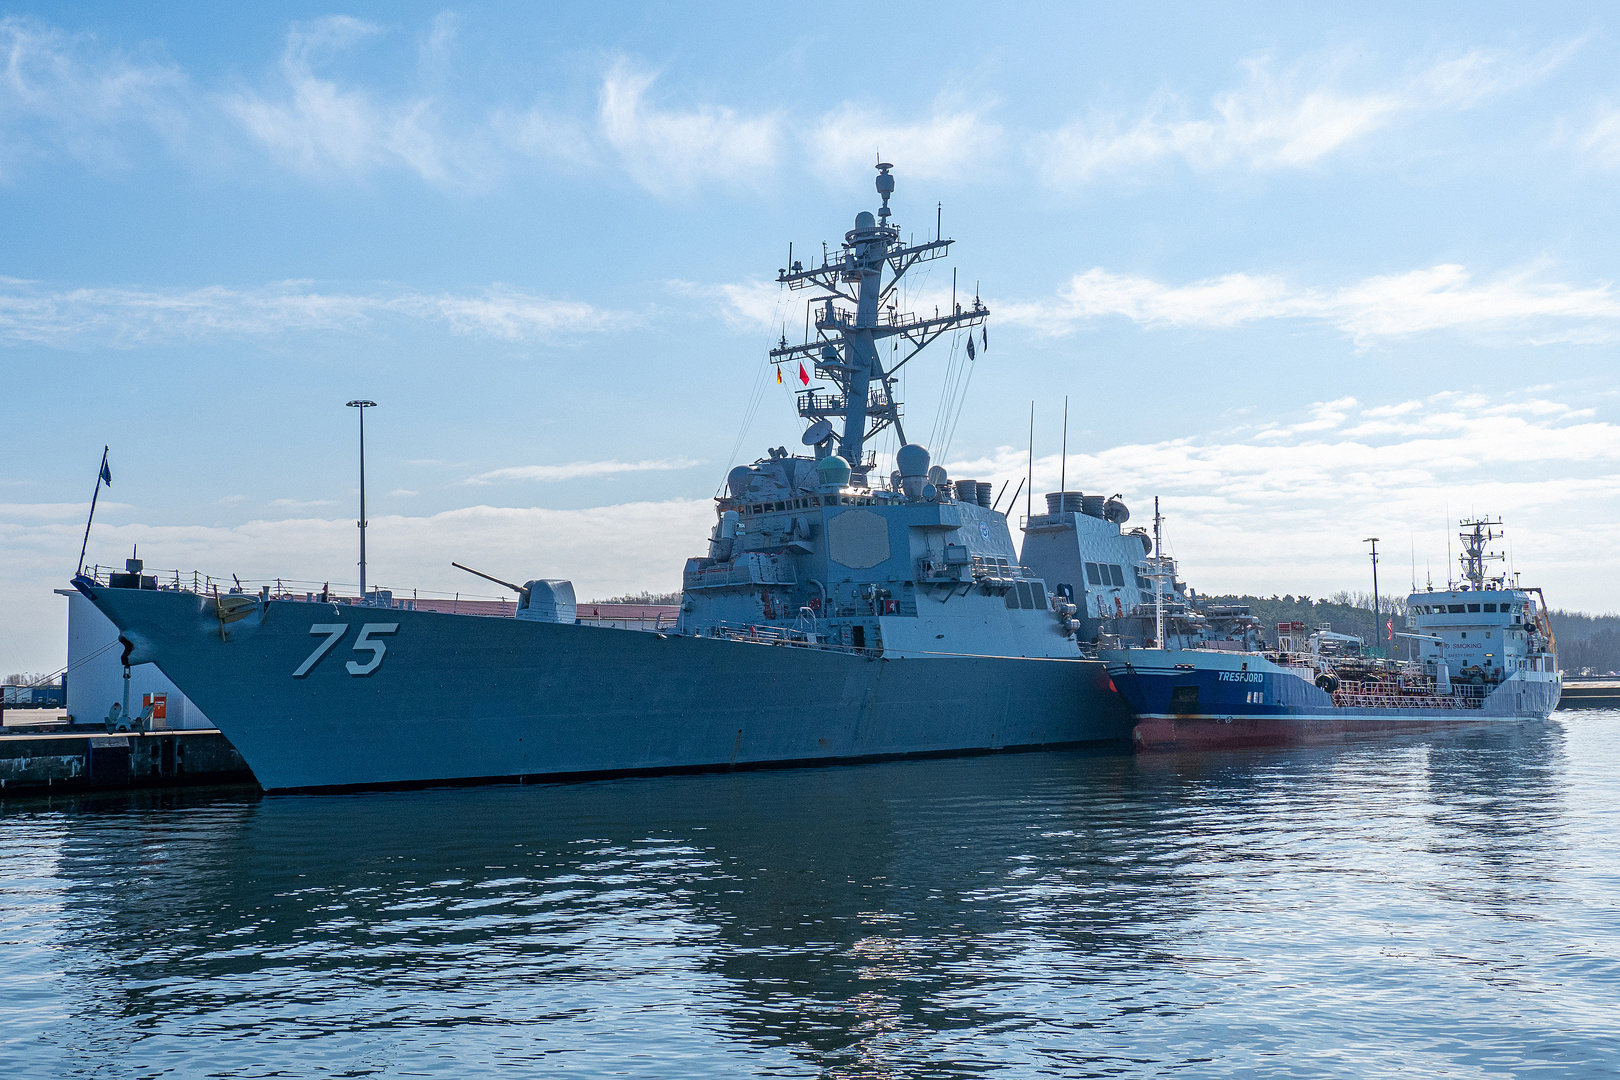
(1306, 275)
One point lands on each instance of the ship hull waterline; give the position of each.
(1195, 733)
(1239, 708)
(458, 698)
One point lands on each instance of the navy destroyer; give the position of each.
(1485, 654)
(839, 613)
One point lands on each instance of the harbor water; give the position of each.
(1436, 906)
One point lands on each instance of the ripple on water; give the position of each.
(1440, 906)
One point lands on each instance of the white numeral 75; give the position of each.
(364, 643)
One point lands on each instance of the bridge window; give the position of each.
(1014, 601)
(1039, 591)
(1117, 574)
(1094, 573)
(1473, 608)
(1455, 609)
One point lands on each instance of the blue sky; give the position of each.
(1309, 276)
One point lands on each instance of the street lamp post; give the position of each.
(1378, 634)
(363, 406)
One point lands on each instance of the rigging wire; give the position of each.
(756, 395)
(970, 365)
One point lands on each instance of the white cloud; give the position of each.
(1283, 508)
(670, 152)
(1278, 120)
(299, 504)
(404, 493)
(62, 93)
(1445, 297)
(757, 304)
(314, 126)
(1601, 140)
(129, 317)
(575, 470)
(546, 135)
(945, 145)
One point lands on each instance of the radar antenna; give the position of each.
(1476, 535)
(845, 348)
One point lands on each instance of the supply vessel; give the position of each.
(838, 614)
(1485, 654)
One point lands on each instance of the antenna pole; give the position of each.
(1377, 631)
(93, 497)
(1029, 496)
(1063, 470)
(1158, 576)
(362, 406)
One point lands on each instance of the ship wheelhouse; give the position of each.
(1482, 636)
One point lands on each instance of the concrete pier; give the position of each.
(1590, 693)
(83, 758)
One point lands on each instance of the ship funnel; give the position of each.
(1065, 502)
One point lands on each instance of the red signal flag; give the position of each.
(804, 376)
(778, 374)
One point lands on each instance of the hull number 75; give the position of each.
(364, 643)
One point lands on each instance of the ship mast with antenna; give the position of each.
(1474, 556)
(845, 349)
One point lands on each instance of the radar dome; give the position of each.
(737, 480)
(865, 220)
(912, 460)
(833, 470)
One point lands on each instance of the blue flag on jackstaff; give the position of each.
(106, 473)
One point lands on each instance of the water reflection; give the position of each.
(1072, 913)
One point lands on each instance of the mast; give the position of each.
(1158, 577)
(845, 350)
(1474, 541)
(1378, 637)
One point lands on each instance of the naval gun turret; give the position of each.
(541, 600)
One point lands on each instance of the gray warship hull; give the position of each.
(464, 698)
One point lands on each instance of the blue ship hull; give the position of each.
(1195, 700)
(457, 697)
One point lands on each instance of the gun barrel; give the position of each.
(479, 573)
